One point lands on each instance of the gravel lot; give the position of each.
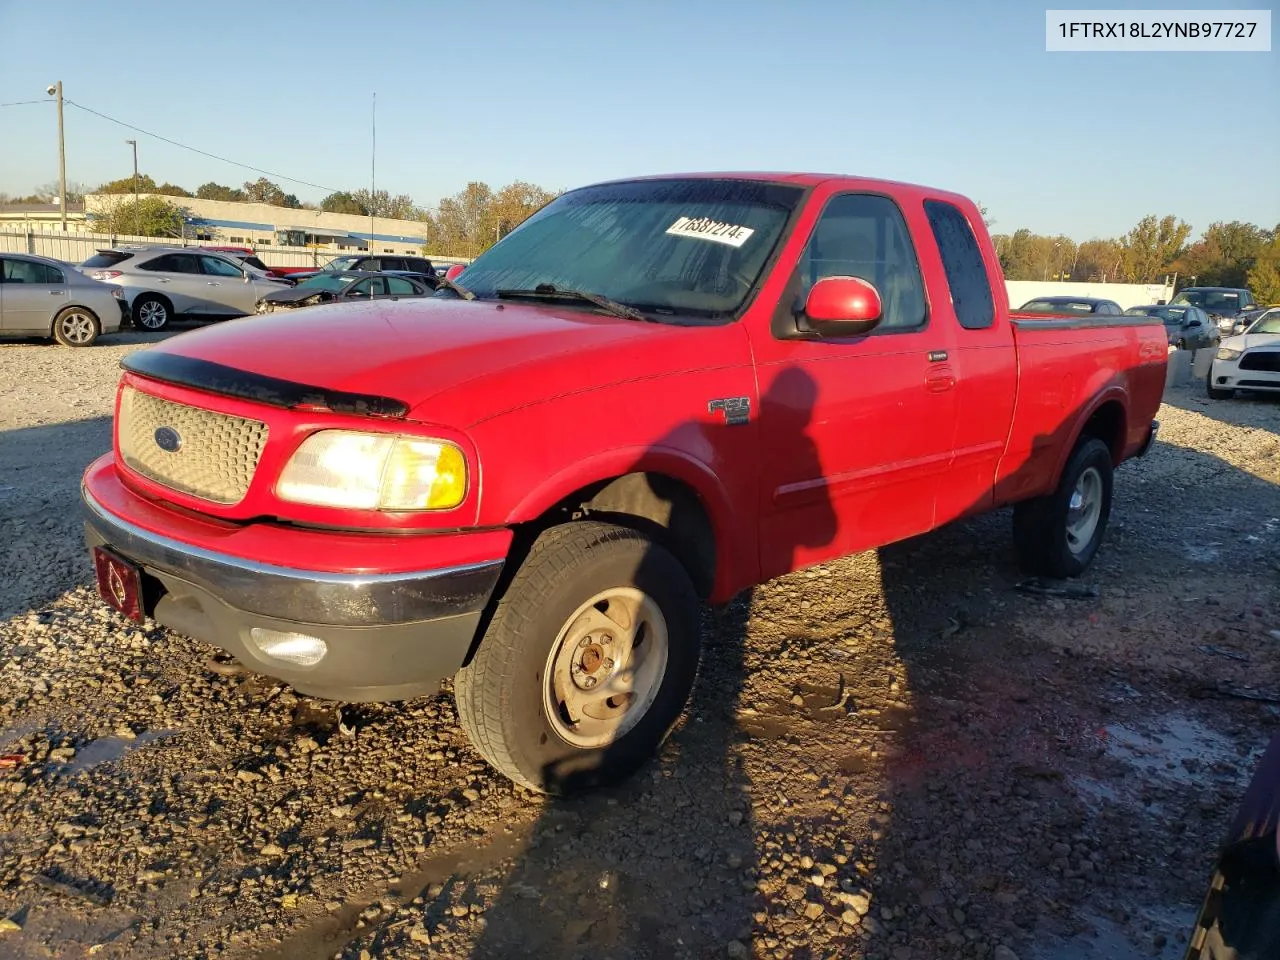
(899, 755)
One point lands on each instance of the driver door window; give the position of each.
(219, 268)
(861, 235)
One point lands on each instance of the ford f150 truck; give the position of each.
(653, 393)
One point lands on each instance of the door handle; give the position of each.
(940, 381)
(162, 280)
(57, 293)
(937, 356)
(213, 283)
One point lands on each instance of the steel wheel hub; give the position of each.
(605, 668)
(1084, 510)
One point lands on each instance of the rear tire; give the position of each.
(76, 327)
(1058, 534)
(152, 312)
(593, 607)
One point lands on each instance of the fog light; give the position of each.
(296, 648)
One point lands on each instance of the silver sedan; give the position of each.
(40, 297)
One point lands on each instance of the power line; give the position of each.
(203, 153)
(21, 103)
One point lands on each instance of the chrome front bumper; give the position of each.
(386, 636)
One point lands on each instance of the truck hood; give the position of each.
(470, 360)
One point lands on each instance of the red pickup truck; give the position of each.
(653, 393)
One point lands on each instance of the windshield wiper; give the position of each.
(457, 288)
(548, 291)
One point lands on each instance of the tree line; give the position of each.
(1233, 254)
(463, 225)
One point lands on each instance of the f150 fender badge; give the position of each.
(736, 410)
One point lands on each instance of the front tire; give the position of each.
(1214, 393)
(151, 312)
(1058, 534)
(76, 327)
(587, 662)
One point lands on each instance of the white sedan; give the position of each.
(1250, 361)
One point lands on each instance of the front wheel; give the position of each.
(1058, 534)
(587, 662)
(1214, 392)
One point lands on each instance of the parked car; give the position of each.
(371, 263)
(1071, 306)
(246, 255)
(1250, 361)
(160, 283)
(1189, 328)
(41, 297)
(656, 392)
(1246, 318)
(1223, 304)
(348, 287)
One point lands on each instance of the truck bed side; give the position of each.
(1107, 374)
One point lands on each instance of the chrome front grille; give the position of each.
(200, 452)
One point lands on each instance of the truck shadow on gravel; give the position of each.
(41, 550)
(662, 865)
(1051, 789)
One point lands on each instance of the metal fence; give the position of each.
(78, 247)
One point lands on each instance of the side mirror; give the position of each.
(842, 307)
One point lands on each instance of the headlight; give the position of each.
(1226, 353)
(374, 471)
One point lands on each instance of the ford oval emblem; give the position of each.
(168, 439)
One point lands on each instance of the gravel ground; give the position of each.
(896, 755)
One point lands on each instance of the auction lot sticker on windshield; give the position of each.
(704, 228)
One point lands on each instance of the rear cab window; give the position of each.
(962, 261)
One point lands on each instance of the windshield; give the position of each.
(341, 263)
(693, 247)
(324, 281)
(1215, 301)
(1269, 322)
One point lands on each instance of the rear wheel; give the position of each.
(152, 312)
(76, 327)
(587, 662)
(1058, 534)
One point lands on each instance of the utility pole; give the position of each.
(136, 212)
(373, 165)
(52, 90)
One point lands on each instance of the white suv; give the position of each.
(160, 283)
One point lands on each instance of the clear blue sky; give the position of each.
(956, 95)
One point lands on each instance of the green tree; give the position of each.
(1152, 246)
(216, 191)
(1099, 261)
(1263, 277)
(463, 225)
(147, 217)
(125, 185)
(382, 204)
(1224, 255)
(263, 190)
(515, 203)
(343, 202)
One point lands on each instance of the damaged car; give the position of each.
(351, 286)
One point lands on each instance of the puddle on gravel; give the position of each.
(1112, 941)
(1175, 754)
(106, 749)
